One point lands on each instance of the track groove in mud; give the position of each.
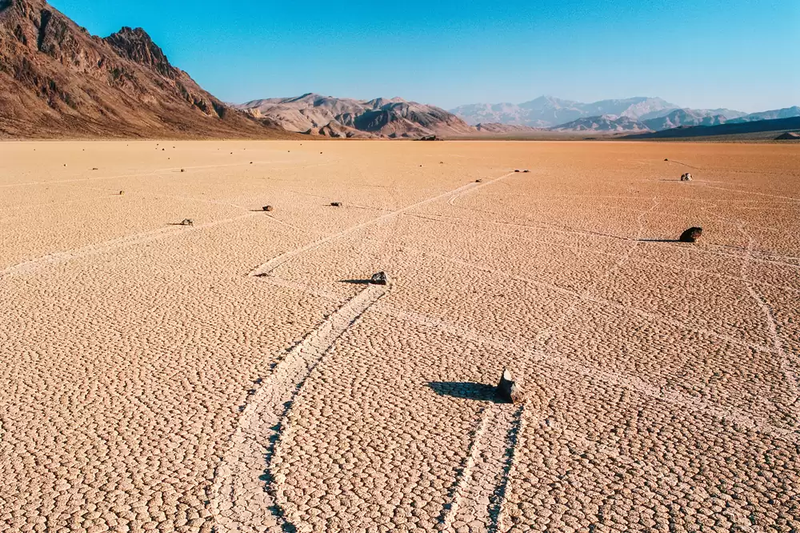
(114, 244)
(785, 364)
(480, 490)
(244, 496)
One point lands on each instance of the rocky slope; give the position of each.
(496, 128)
(346, 117)
(57, 80)
(604, 124)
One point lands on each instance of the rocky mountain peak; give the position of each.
(136, 45)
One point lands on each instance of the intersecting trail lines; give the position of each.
(596, 299)
(562, 363)
(785, 362)
(710, 249)
(598, 252)
(275, 262)
(583, 295)
(240, 500)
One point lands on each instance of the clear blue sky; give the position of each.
(696, 53)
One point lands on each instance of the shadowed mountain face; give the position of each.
(346, 117)
(57, 80)
(767, 129)
(685, 117)
(786, 112)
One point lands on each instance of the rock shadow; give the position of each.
(466, 390)
(658, 240)
(356, 281)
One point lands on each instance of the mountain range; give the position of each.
(57, 80)
(638, 114)
(345, 117)
(550, 112)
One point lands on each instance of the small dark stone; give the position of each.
(336, 204)
(267, 208)
(478, 181)
(526, 171)
(665, 159)
(95, 168)
(517, 170)
(187, 222)
(509, 390)
(691, 234)
(379, 279)
(182, 170)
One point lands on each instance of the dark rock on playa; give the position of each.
(336, 204)
(187, 222)
(691, 235)
(509, 390)
(267, 208)
(379, 279)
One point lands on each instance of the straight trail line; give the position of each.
(94, 249)
(268, 267)
(246, 492)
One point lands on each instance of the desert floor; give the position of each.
(238, 375)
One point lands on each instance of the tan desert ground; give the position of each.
(238, 374)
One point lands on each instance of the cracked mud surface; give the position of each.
(238, 375)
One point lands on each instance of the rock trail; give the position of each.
(534, 355)
(275, 262)
(785, 363)
(245, 492)
(479, 492)
(114, 244)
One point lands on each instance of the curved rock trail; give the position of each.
(244, 495)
